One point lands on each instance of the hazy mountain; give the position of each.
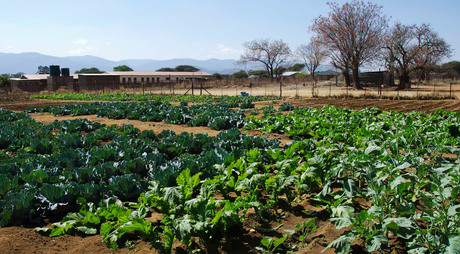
(29, 62)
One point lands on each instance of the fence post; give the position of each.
(450, 91)
(330, 87)
(313, 90)
(296, 90)
(236, 87)
(281, 89)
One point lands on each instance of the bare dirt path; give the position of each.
(157, 127)
(26, 240)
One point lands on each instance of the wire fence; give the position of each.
(434, 89)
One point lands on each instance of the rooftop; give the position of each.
(41, 76)
(157, 73)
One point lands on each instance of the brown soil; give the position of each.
(386, 105)
(23, 239)
(26, 240)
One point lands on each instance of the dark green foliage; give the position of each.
(122, 68)
(187, 68)
(195, 115)
(41, 146)
(148, 97)
(55, 198)
(5, 80)
(89, 70)
(247, 104)
(454, 130)
(66, 160)
(127, 186)
(17, 206)
(240, 74)
(286, 107)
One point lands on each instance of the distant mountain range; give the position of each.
(29, 62)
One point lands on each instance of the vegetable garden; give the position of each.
(385, 180)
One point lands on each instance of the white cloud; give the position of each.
(80, 41)
(222, 49)
(82, 47)
(9, 47)
(81, 51)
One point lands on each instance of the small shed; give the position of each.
(97, 82)
(33, 83)
(289, 74)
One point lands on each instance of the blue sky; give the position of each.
(200, 29)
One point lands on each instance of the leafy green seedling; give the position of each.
(305, 228)
(271, 246)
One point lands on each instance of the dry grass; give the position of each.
(437, 90)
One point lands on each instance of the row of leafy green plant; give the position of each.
(45, 169)
(215, 116)
(199, 210)
(146, 97)
(398, 162)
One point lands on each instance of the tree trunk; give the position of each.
(346, 75)
(404, 81)
(356, 83)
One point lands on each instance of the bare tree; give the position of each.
(272, 54)
(312, 54)
(411, 48)
(354, 34)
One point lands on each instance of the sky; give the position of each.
(199, 29)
